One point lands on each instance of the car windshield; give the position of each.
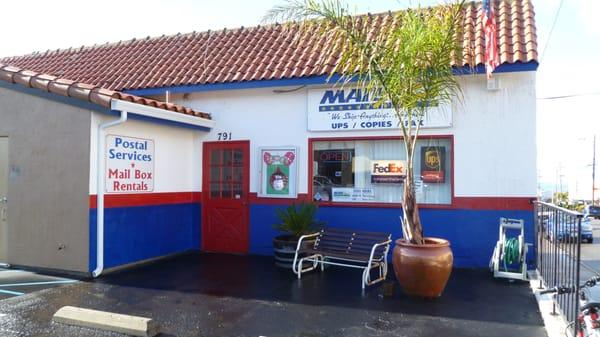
(322, 180)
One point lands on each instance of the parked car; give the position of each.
(592, 211)
(587, 234)
(322, 187)
(568, 231)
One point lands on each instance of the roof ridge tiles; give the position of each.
(178, 34)
(232, 54)
(78, 90)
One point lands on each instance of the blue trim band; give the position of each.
(503, 68)
(235, 85)
(323, 79)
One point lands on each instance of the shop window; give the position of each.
(374, 170)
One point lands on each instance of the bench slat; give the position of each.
(343, 255)
(355, 245)
(330, 245)
(356, 235)
(339, 231)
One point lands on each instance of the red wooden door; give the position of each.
(225, 187)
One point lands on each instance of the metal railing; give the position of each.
(558, 254)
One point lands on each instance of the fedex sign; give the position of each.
(353, 109)
(388, 171)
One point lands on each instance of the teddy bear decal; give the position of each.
(279, 180)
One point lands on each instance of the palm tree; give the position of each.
(406, 63)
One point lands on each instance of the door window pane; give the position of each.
(227, 158)
(215, 157)
(226, 173)
(215, 190)
(238, 157)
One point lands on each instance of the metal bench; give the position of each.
(347, 248)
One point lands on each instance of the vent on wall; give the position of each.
(493, 84)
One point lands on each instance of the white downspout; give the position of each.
(100, 182)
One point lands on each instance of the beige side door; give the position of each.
(3, 195)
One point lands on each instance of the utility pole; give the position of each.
(594, 174)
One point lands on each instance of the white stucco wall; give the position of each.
(494, 133)
(177, 158)
(495, 140)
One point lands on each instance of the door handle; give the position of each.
(3, 200)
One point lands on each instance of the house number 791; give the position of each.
(224, 135)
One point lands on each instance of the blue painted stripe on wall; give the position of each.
(323, 79)
(143, 232)
(138, 233)
(472, 233)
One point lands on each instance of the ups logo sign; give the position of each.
(433, 162)
(432, 158)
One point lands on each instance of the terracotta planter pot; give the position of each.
(423, 270)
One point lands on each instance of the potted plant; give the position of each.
(294, 221)
(407, 65)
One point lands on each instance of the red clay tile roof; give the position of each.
(86, 92)
(258, 53)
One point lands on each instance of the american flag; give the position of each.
(492, 59)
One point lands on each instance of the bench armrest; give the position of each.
(375, 246)
(305, 237)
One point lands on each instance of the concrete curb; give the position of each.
(555, 324)
(131, 325)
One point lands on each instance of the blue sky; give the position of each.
(569, 66)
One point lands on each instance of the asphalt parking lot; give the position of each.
(227, 295)
(15, 282)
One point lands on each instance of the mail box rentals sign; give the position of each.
(129, 164)
(352, 109)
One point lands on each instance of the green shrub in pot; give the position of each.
(294, 221)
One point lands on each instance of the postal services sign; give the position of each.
(129, 164)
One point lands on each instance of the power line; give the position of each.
(551, 30)
(571, 95)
